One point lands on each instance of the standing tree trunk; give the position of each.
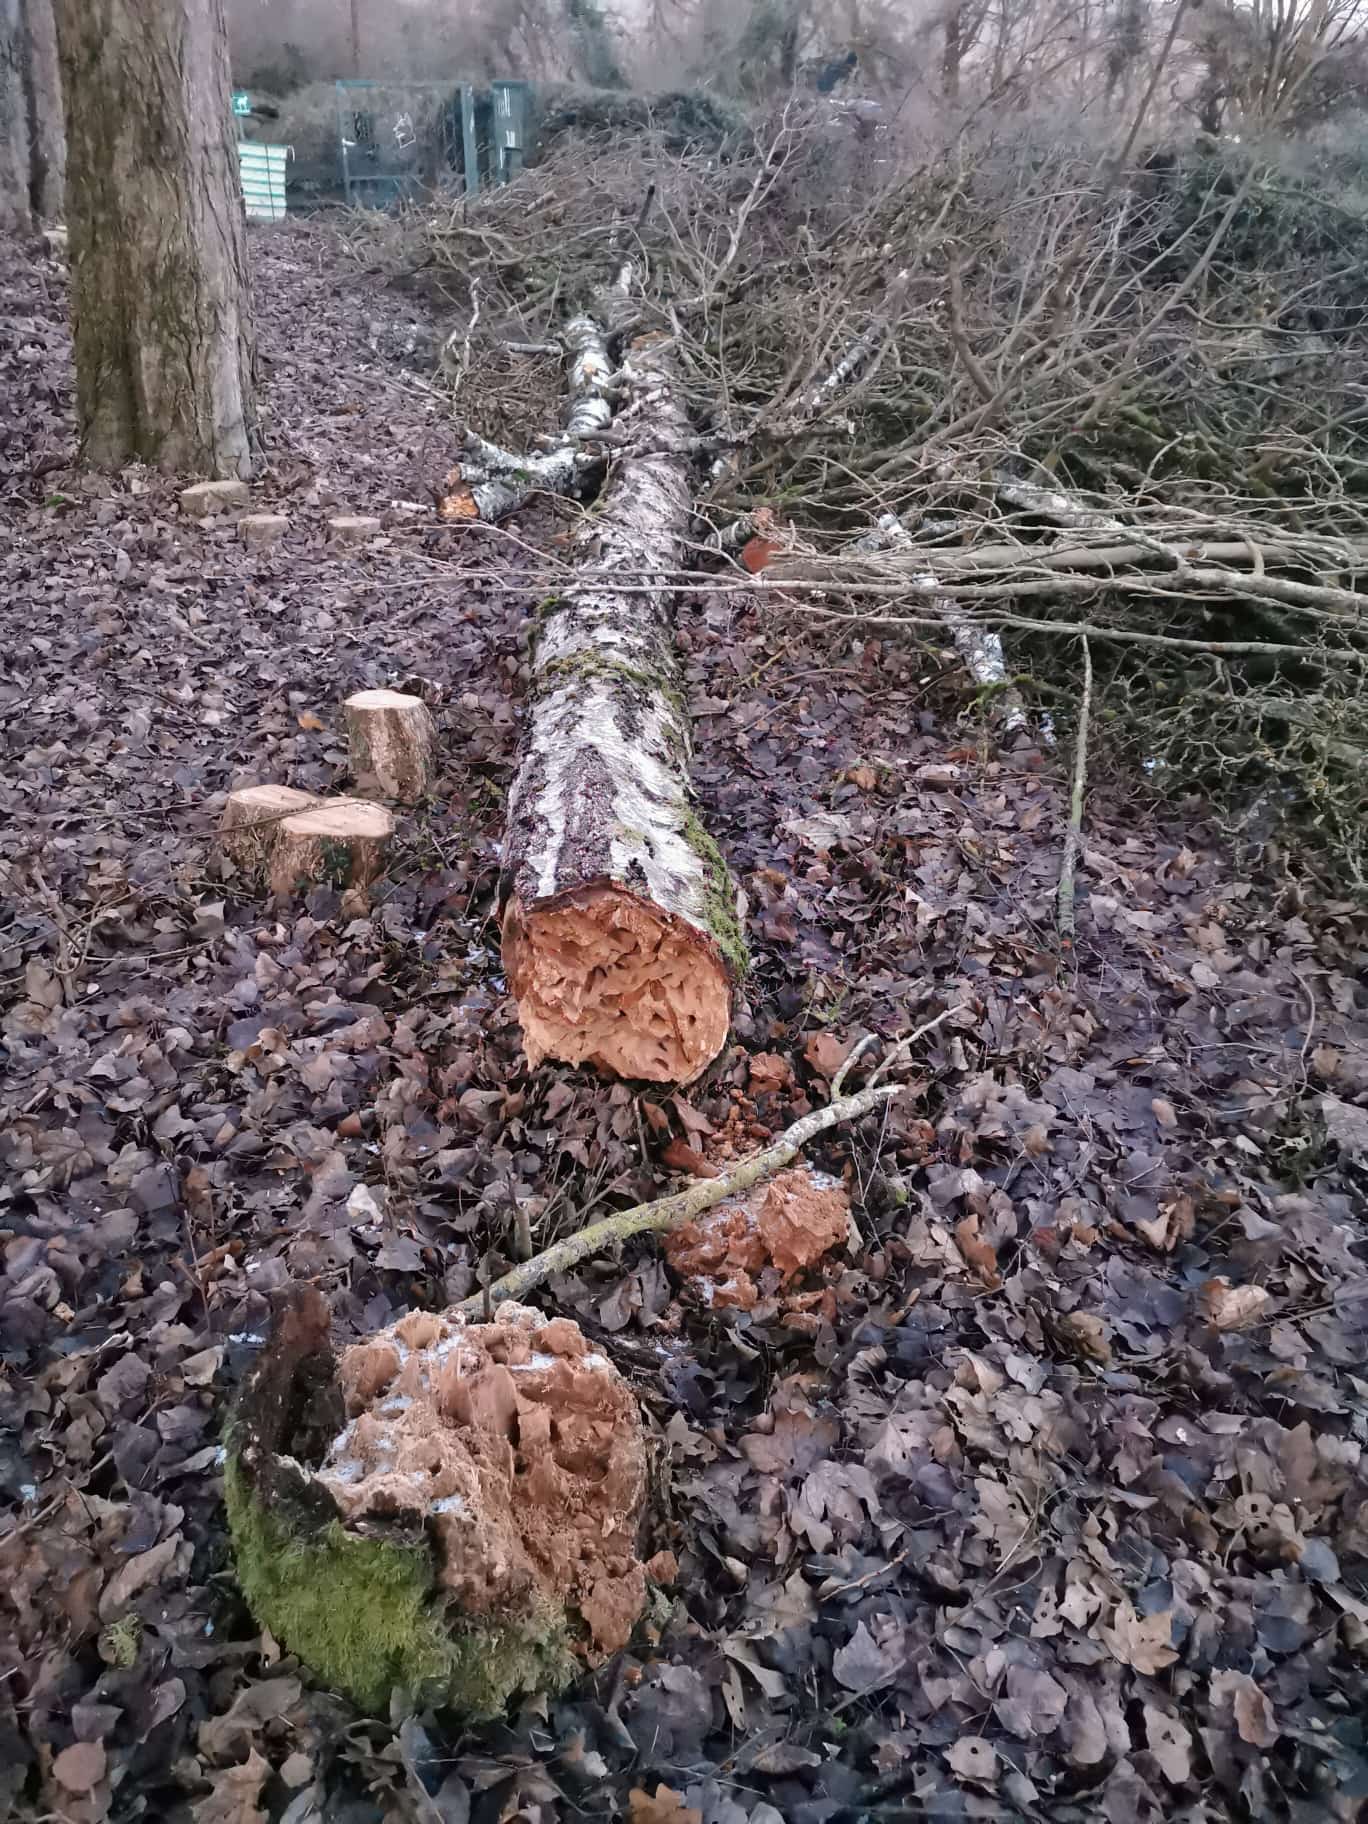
(43, 95)
(15, 212)
(158, 240)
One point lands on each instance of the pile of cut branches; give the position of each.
(1080, 392)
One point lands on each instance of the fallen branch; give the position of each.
(980, 647)
(1064, 900)
(490, 483)
(682, 1206)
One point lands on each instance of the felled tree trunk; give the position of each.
(450, 1508)
(620, 933)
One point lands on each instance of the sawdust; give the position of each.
(521, 1448)
(777, 1230)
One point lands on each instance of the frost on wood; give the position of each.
(451, 1507)
(390, 742)
(251, 822)
(759, 1240)
(619, 932)
(337, 842)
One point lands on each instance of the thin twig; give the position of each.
(1065, 899)
(681, 1206)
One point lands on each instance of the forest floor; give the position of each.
(1056, 1506)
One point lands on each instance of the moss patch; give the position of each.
(361, 1613)
(719, 896)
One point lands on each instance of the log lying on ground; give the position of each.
(490, 483)
(451, 1508)
(620, 934)
(391, 739)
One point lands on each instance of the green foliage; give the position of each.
(363, 1616)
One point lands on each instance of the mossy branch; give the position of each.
(683, 1206)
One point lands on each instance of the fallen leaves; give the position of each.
(1228, 1307)
(1143, 1642)
(80, 1768)
(663, 1806)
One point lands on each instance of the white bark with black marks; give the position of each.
(620, 933)
(490, 483)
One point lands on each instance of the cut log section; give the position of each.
(391, 740)
(339, 842)
(620, 934)
(251, 823)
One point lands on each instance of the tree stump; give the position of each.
(391, 739)
(205, 498)
(251, 822)
(262, 528)
(451, 1507)
(353, 528)
(336, 842)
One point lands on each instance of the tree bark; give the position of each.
(620, 934)
(15, 207)
(43, 97)
(160, 289)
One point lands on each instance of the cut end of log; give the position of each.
(341, 843)
(391, 738)
(603, 978)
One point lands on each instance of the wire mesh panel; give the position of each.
(398, 139)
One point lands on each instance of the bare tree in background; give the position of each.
(43, 101)
(160, 292)
(15, 206)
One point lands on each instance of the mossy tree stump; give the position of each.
(451, 1509)
(620, 933)
(391, 741)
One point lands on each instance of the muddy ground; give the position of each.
(1057, 1507)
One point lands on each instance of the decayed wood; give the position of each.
(251, 822)
(337, 842)
(490, 483)
(391, 739)
(619, 932)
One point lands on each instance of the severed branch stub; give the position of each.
(620, 933)
(338, 842)
(391, 739)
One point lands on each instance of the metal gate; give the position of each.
(402, 139)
